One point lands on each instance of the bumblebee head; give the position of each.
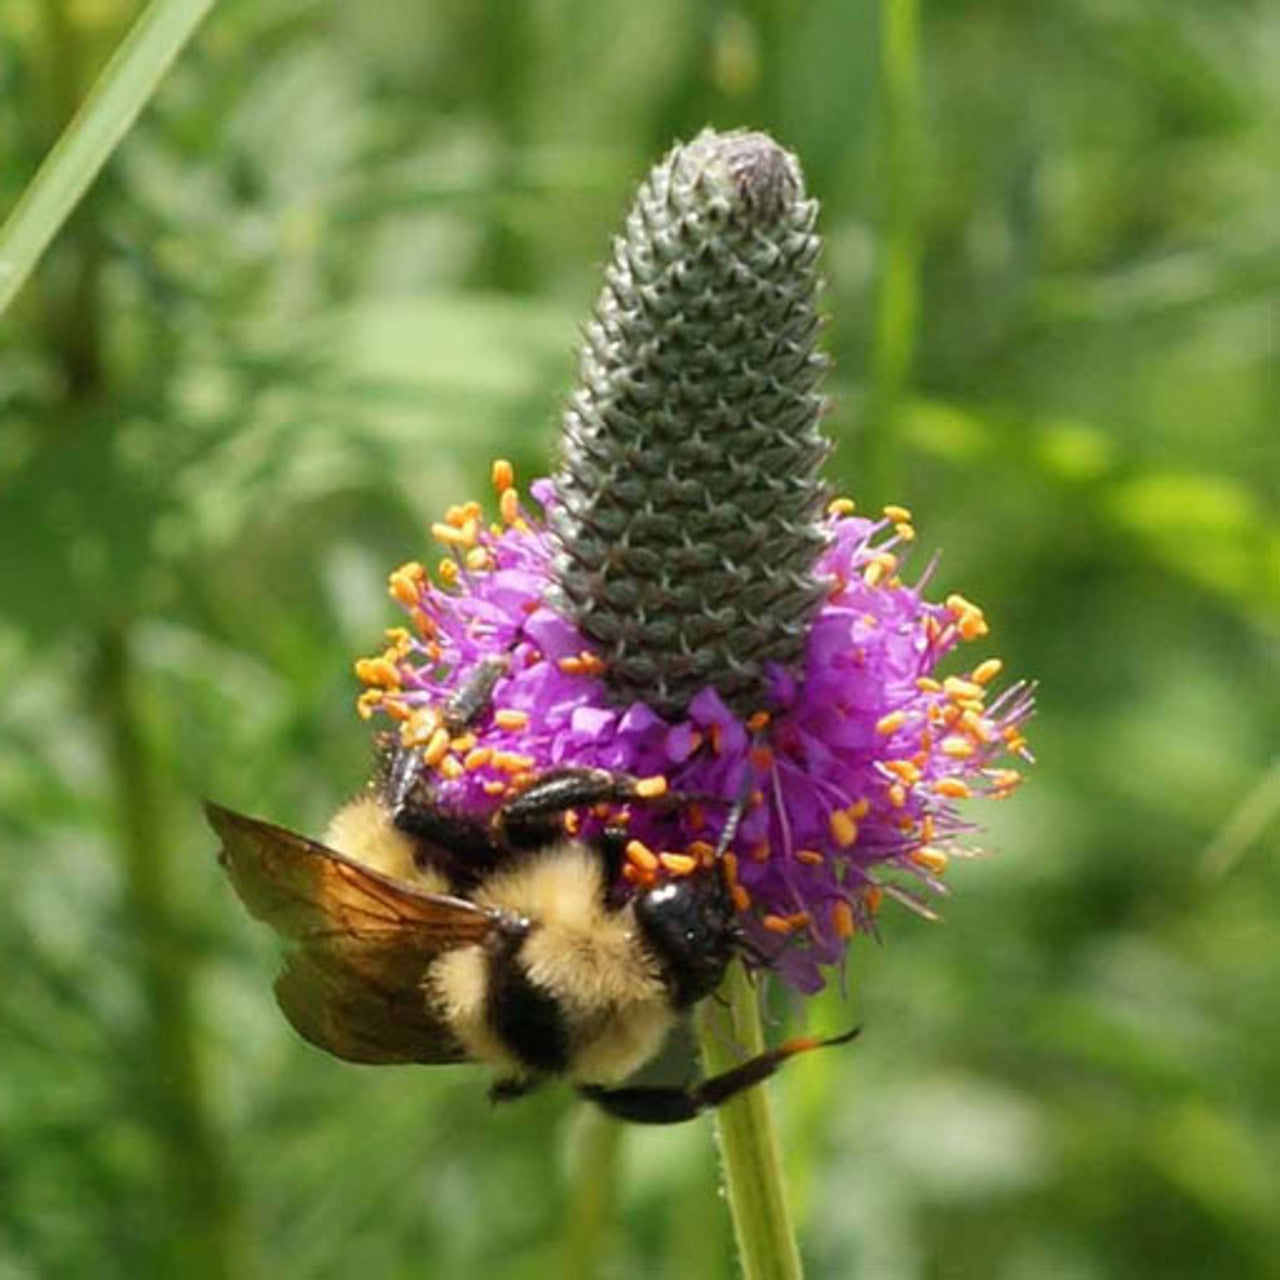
(688, 924)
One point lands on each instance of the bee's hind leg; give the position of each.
(513, 1087)
(644, 1104)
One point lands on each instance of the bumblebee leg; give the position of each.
(510, 1090)
(658, 1105)
(470, 702)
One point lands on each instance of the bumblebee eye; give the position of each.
(687, 927)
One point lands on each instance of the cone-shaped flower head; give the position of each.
(689, 609)
(688, 492)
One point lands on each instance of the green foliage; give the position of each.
(337, 266)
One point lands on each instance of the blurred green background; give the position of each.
(336, 268)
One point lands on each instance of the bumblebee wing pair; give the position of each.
(352, 984)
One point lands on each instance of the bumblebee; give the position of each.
(424, 935)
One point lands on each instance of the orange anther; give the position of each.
(651, 788)
(842, 920)
(844, 829)
(642, 856)
(511, 718)
(679, 864)
(810, 857)
(953, 788)
(503, 475)
(987, 671)
(477, 758)
(757, 721)
(891, 722)
(436, 747)
(899, 515)
(509, 505)
(930, 859)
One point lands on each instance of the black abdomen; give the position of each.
(528, 1020)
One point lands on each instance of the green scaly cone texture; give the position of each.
(688, 490)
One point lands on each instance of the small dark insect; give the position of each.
(424, 935)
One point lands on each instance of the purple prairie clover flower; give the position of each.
(857, 757)
(686, 605)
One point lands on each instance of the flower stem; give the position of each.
(595, 1147)
(749, 1154)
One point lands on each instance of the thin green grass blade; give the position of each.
(121, 91)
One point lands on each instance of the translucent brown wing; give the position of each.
(353, 984)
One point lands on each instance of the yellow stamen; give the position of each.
(465, 536)
(679, 864)
(512, 762)
(378, 672)
(477, 758)
(451, 768)
(419, 728)
(978, 726)
(572, 823)
(933, 860)
(436, 747)
(959, 690)
(509, 505)
(405, 584)
(905, 531)
(873, 897)
(841, 507)
(899, 515)
(891, 722)
(777, 924)
(957, 748)
(395, 708)
(447, 572)
(798, 919)
(741, 898)
(479, 560)
(842, 919)
(953, 789)
(495, 788)
(642, 856)
(463, 743)
(810, 857)
(872, 574)
(904, 771)
(986, 672)
(510, 718)
(651, 788)
(859, 809)
(757, 721)
(844, 829)
(700, 849)
(368, 702)
(927, 684)
(897, 795)
(503, 475)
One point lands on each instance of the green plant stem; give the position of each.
(897, 295)
(121, 91)
(595, 1149)
(204, 1242)
(749, 1153)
